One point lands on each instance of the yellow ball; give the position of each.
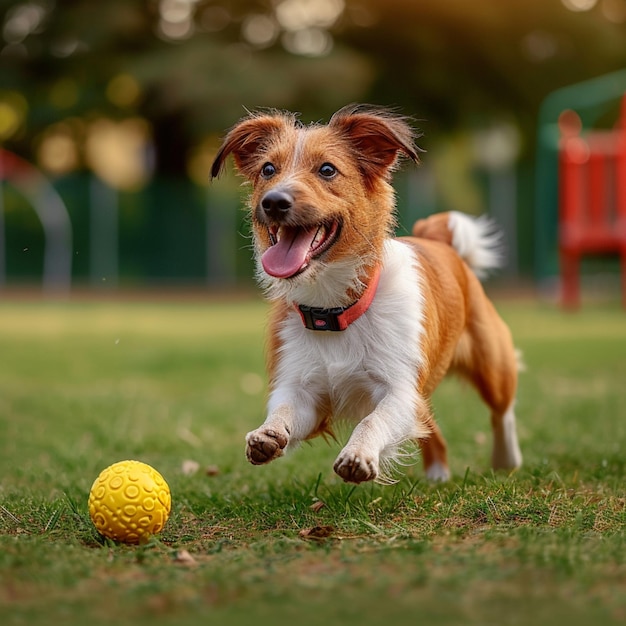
(129, 501)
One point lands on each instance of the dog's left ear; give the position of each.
(378, 136)
(244, 141)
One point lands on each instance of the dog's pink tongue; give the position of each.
(288, 256)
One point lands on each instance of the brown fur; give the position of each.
(463, 332)
(366, 143)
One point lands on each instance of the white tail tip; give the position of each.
(478, 241)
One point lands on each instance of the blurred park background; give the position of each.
(111, 112)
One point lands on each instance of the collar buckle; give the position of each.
(339, 318)
(315, 318)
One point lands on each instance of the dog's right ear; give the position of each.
(245, 140)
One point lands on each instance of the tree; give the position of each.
(190, 66)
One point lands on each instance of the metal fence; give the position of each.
(174, 232)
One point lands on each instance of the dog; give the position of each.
(364, 326)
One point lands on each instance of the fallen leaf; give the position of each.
(316, 532)
(190, 467)
(184, 558)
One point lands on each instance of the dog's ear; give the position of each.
(379, 137)
(244, 140)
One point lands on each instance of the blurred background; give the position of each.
(111, 112)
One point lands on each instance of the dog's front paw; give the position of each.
(266, 444)
(356, 468)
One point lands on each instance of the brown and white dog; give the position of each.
(364, 326)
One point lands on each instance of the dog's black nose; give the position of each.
(276, 203)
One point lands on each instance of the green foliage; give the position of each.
(451, 62)
(83, 385)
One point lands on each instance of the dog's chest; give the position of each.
(349, 369)
(379, 354)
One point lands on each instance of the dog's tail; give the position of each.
(477, 240)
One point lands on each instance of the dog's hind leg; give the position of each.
(506, 451)
(434, 454)
(487, 358)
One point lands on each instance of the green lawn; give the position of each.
(83, 385)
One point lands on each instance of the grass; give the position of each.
(83, 385)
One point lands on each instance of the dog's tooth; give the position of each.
(319, 236)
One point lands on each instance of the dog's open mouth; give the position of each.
(293, 247)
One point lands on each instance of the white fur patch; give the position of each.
(322, 285)
(478, 242)
(367, 373)
(437, 472)
(506, 450)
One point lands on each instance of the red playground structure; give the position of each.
(592, 199)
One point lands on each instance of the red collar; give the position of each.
(339, 318)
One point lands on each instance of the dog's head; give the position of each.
(321, 201)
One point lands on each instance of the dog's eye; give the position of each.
(268, 170)
(327, 170)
